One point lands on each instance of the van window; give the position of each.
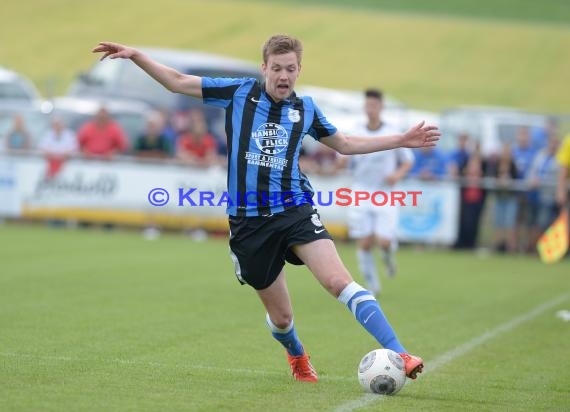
(133, 82)
(105, 74)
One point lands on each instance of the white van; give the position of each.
(15, 87)
(122, 79)
(493, 126)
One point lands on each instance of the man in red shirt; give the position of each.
(102, 137)
(197, 146)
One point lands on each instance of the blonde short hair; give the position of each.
(282, 44)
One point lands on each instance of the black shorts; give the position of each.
(260, 245)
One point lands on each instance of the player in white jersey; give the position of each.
(376, 225)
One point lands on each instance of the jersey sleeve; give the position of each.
(320, 126)
(219, 91)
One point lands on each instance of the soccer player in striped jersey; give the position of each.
(374, 172)
(271, 218)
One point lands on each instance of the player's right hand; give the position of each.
(114, 50)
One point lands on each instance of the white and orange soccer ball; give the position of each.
(382, 371)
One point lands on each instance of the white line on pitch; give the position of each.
(460, 350)
(163, 365)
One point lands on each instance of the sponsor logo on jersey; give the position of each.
(271, 138)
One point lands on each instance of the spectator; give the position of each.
(429, 164)
(215, 119)
(306, 163)
(459, 157)
(197, 146)
(523, 152)
(102, 137)
(320, 160)
(523, 156)
(539, 136)
(543, 173)
(167, 129)
(473, 197)
(152, 143)
(502, 167)
(18, 138)
(181, 121)
(57, 145)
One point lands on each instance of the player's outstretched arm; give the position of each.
(170, 78)
(417, 136)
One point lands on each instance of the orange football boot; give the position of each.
(413, 365)
(301, 368)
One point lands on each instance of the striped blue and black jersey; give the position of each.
(264, 142)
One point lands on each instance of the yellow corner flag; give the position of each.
(553, 243)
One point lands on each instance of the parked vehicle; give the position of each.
(16, 87)
(492, 126)
(122, 79)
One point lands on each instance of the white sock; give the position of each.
(367, 267)
(390, 261)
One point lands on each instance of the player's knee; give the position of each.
(365, 247)
(336, 284)
(365, 244)
(383, 243)
(282, 320)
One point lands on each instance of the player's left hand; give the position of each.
(421, 136)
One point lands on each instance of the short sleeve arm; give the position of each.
(219, 91)
(320, 126)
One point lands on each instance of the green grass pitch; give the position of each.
(101, 321)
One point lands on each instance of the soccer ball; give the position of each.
(382, 371)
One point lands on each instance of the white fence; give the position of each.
(118, 192)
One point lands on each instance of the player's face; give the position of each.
(281, 72)
(372, 107)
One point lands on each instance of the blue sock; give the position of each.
(367, 311)
(287, 337)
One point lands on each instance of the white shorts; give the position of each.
(381, 221)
